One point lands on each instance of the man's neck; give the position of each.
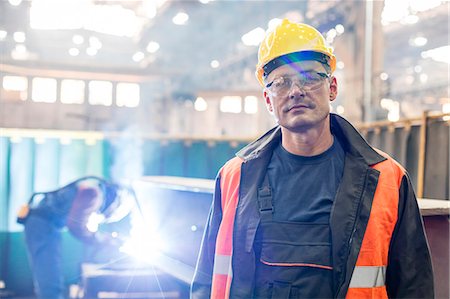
(310, 142)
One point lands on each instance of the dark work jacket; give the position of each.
(409, 271)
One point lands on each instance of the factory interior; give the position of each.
(157, 95)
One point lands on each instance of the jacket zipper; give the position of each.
(350, 241)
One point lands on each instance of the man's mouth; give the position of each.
(297, 106)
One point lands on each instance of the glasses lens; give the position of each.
(307, 81)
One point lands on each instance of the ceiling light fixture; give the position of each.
(215, 64)
(138, 56)
(253, 37)
(180, 18)
(3, 34)
(78, 39)
(19, 36)
(152, 47)
(74, 52)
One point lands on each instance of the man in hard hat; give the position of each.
(310, 210)
(80, 206)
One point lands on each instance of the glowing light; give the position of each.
(384, 76)
(418, 41)
(180, 18)
(44, 90)
(438, 54)
(253, 37)
(339, 29)
(251, 104)
(15, 83)
(72, 91)
(19, 36)
(273, 23)
(200, 104)
(84, 14)
(15, 2)
(340, 109)
(144, 244)
(100, 93)
(152, 47)
(94, 221)
(128, 95)
(138, 56)
(95, 43)
(3, 34)
(340, 65)
(78, 39)
(423, 78)
(215, 64)
(393, 108)
(231, 104)
(74, 52)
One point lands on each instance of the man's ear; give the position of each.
(268, 101)
(333, 89)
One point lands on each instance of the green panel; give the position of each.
(18, 276)
(218, 154)
(46, 165)
(72, 250)
(108, 156)
(4, 182)
(173, 158)
(152, 157)
(72, 161)
(197, 162)
(21, 178)
(95, 159)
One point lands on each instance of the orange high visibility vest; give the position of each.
(368, 279)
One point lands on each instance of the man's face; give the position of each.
(299, 105)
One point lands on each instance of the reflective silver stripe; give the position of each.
(222, 264)
(368, 277)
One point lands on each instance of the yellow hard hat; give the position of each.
(290, 42)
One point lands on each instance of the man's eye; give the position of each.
(278, 82)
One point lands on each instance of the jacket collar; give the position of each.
(349, 137)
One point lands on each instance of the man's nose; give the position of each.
(296, 90)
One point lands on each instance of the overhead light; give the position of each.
(74, 52)
(340, 109)
(273, 23)
(19, 36)
(20, 52)
(340, 65)
(418, 68)
(253, 37)
(78, 39)
(339, 29)
(152, 47)
(138, 56)
(215, 64)
(384, 76)
(95, 43)
(231, 104)
(251, 104)
(180, 18)
(418, 41)
(205, 1)
(3, 34)
(15, 2)
(423, 78)
(84, 14)
(200, 104)
(438, 54)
